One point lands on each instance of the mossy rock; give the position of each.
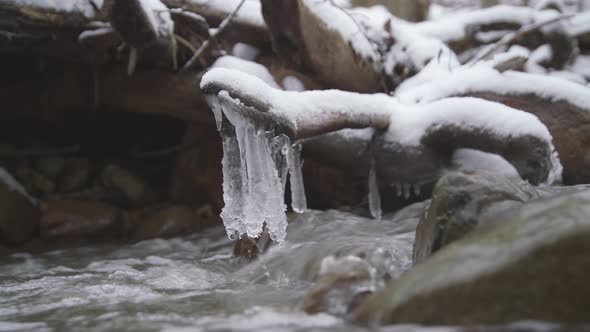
(531, 266)
(463, 202)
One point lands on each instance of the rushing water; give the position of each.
(192, 283)
(195, 283)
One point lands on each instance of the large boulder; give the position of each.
(462, 202)
(19, 214)
(531, 266)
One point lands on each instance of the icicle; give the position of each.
(217, 112)
(282, 144)
(416, 190)
(298, 200)
(407, 191)
(374, 197)
(398, 188)
(252, 187)
(234, 191)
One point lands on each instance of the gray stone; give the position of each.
(531, 266)
(463, 202)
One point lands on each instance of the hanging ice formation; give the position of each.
(374, 196)
(255, 163)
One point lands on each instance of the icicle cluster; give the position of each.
(255, 164)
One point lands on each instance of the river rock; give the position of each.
(51, 166)
(132, 189)
(531, 266)
(344, 282)
(19, 214)
(462, 202)
(74, 175)
(81, 219)
(36, 183)
(350, 274)
(166, 222)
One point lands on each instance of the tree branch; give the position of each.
(212, 36)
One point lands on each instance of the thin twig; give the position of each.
(509, 38)
(185, 43)
(212, 36)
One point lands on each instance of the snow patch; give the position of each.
(159, 17)
(84, 7)
(245, 51)
(469, 161)
(248, 67)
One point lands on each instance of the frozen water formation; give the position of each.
(256, 161)
(262, 127)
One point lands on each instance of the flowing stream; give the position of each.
(194, 283)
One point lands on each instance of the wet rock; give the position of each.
(74, 176)
(132, 189)
(19, 214)
(165, 222)
(36, 183)
(81, 219)
(250, 248)
(344, 282)
(462, 202)
(51, 166)
(531, 266)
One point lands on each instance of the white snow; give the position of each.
(292, 83)
(483, 78)
(579, 24)
(248, 67)
(469, 160)
(14, 185)
(159, 16)
(454, 27)
(569, 75)
(94, 33)
(413, 48)
(409, 123)
(306, 109)
(83, 7)
(339, 18)
(250, 12)
(543, 53)
(581, 65)
(245, 51)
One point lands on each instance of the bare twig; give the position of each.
(185, 43)
(212, 36)
(509, 38)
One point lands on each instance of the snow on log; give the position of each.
(413, 145)
(563, 106)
